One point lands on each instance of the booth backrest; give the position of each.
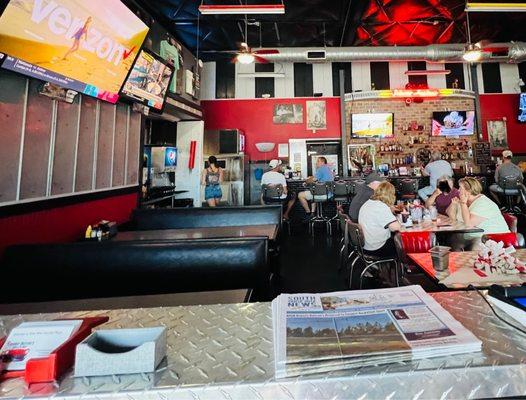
(181, 218)
(108, 269)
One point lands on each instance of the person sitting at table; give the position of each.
(275, 177)
(435, 169)
(443, 194)
(364, 193)
(506, 170)
(475, 210)
(378, 221)
(323, 174)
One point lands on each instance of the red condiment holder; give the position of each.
(52, 367)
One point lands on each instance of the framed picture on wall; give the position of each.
(288, 114)
(361, 158)
(316, 115)
(497, 134)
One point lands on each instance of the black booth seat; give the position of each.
(183, 218)
(108, 269)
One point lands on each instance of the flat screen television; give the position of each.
(453, 123)
(379, 125)
(148, 80)
(522, 108)
(87, 46)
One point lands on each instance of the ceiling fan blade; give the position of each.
(260, 60)
(267, 51)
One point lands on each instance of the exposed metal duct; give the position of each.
(431, 53)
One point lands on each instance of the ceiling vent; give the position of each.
(316, 55)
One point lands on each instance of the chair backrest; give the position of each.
(511, 220)
(407, 186)
(355, 185)
(510, 182)
(272, 191)
(341, 188)
(320, 189)
(509, 239)
(417, 242)
(356, 238)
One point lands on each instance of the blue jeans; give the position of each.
(425, 192)
(213, 192)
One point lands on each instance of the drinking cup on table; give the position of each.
(433, 213)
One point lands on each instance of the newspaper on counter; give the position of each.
(324, 332)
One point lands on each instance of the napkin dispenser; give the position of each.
(121, 351)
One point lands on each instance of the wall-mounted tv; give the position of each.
(453, 123)
(148, 80)
(522, 108)
(86, 46)
(372, 125)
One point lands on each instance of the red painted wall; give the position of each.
(254, 117)
(64, 224)
(497, 106)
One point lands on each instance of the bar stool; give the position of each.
(340, 193)
(355, 186)
(320, 195)
(272, 195)
(511, 186)
(357, 241)
(407, 189)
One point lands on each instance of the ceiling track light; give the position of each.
(472, 54)
(495, 7)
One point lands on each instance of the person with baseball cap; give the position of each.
(275, 177)
(364, 193)
(506, 170)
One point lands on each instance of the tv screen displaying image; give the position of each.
(453, 123)
(170, 157)
(378, 125)
(86, 46)
(148, 80)
(522, 108)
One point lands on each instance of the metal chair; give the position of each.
(344, 242)
(357, 241)
(509, 239)
(407, 189)
(272, 195)
(340, 193)
(483, 182)
(320, 195)
(511, 186)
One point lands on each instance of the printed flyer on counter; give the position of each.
(323, 332)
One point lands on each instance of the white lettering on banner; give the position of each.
(62, 23)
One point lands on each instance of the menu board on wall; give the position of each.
(482, 153)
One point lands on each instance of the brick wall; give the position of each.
(403, 116)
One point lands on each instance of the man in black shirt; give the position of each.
(364, 193)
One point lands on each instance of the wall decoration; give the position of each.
(497, 134)
(288, 114)
(316, 115)
(361, 157)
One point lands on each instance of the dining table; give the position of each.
(443, 224)
(461, 274)
(214, 232)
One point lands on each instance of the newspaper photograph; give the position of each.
(320, 332)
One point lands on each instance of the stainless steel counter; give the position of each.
(225, 352)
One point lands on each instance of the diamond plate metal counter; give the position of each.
(225, 352)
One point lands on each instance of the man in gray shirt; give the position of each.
(364, 193)
(436, 169)
(506, 170)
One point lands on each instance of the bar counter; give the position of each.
(226, 352)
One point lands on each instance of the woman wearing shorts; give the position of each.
(211, 178)
(77, 37)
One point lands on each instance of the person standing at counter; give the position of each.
(275, 177)
(211, 179)
(435, 169)
(443, 194)
(323, 174)
(365, 192)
